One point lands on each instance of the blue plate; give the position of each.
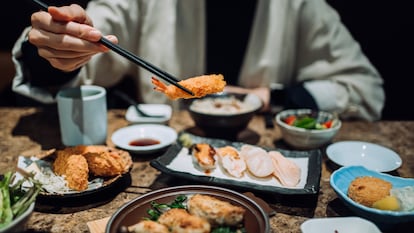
(342, 178)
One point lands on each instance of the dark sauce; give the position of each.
(144, 142)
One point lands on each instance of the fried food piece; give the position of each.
(200, 86)
(217, 212)
(204, 156)
(367, 189)
(231, 161)
(104, 160)
(106, 163)
(74, 167)
(148, 226)
(180, 221)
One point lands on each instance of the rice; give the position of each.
(221, 106)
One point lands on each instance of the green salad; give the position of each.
(307, 122)
(14, 198)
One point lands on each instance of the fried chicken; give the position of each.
(180, 221)
(73, 167)
(76, 163)
(216, 211)
(148, 226)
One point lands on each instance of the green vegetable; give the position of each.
(305, 122)
(157, 209)
(185, 140)
(14, 198)
(179, 202)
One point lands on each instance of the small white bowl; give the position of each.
(338, 224)
(18, 224)
(163, 134)
(301, 138)
(155, 109)
(369, 155)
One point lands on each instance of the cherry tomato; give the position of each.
(328, 124)
(290, 120)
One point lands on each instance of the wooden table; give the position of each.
(26, 131)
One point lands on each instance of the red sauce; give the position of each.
(144, 142)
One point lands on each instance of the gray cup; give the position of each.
(83, 115)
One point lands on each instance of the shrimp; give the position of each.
(200, 86)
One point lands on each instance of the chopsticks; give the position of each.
(132, 57)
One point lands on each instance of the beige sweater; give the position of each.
(291, 41)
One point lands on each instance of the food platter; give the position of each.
(177, 162)
(341, 179)
(55, 187)
(255, 218)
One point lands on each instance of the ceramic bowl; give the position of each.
(301, 138)
(338, 224)
(18, 224)
(342, 178)
(215, 119)
(144, 138)
(255, 218)
(359, 153)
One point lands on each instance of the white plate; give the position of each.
(156, 109)
(164, 134)
(359, 153)
(338, 224)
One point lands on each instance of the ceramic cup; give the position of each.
(83, 115)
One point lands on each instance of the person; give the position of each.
(298, 53)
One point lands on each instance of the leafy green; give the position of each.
(158, 208)
(14, 198)
(305, 122)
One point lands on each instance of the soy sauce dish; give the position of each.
(144, 138)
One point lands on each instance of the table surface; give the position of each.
(28, 131)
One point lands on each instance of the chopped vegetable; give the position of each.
(290, 120)
(14, 198)
(158, 208)
(307, 122)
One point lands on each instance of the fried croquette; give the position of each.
(77, 162)
(74, 168)
(200, 86)
(107, 163)
(366, 190)
(180, 221)
(217, 212)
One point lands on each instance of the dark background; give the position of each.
(384, 30)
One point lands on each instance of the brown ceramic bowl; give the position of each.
(255, 221)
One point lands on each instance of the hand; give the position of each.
(262, 92)
(65, 36)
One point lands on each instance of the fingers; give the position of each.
(44, 21)
(65, 36)
(73, 12)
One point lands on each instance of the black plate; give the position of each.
(311, 186)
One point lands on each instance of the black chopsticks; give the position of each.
(132, 57)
